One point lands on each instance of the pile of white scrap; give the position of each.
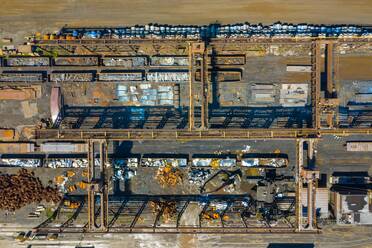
(68, 163)
(169, 61)
(198, 176)
(124, 61)
(127, 76)
(20, 162)
(175, 76)
(213, 162)
(227, 162)
(129, 162)
(294, 95)
(161, 162)
(201, 162)
(265, 162)
(254, 162)
(124, 174)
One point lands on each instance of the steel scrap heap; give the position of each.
(24, 188)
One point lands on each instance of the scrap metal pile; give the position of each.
(198, 176)
(169, 176)
(20, 162)
(68, 163)
(24, 188)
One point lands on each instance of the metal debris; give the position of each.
(68, 163)
(128, 76)
(129, 62)
(162, 162)
(21, 77)
(72, 77)
(169, 61)
(24, 188)
(129, 162)
(27, 61)
(198, 176)
(175, 76)
(20, 162)
(76, 61)
(169, 176)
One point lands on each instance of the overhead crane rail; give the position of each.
(211, 134)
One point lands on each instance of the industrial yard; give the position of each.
(200, 134)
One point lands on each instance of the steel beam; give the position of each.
(145, 134)
(117, 214)
(138, 214)
(205, 90)
(191, 89)
(181, 213)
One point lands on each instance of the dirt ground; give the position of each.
(21, 17)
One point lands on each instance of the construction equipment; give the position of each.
(71, 188)
(84, 173)
(70, 173)
(59, 179)
(82, 185)
(71, 204)
(8, 135)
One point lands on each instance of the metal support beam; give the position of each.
(90, 190)
(330, 67)
(315, 82)
(159, 215)
(191, 88)
(97, 186)
(202, 213)
(205, 90)
(138, 214)
(73, 217)
(117, 214)
(181, 213)
(299, 165)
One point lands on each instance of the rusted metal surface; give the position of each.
(141, 134)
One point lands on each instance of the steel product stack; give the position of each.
(71, 77)
(129, 62)
(175, 76)
(278, 30)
